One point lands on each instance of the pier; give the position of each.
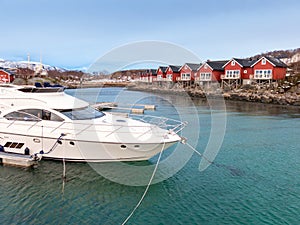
(17, 160)
(134, 109)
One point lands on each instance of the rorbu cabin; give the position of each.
(152, 75)
(6, 76)
(161, 73)
(172, 73)
(144, 77)
(209, 72)
(236, 71)
(188, 72)
(268, 68)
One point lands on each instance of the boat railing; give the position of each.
(165, 123)
(25, 99)
(171, 125)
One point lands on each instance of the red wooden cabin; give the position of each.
(210, 71)
(188, 72)
(172, 73)
(161, 73)
(269, 68)
(238, 69)
(6, 76)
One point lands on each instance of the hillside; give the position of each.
(281, 54)
(25, 64)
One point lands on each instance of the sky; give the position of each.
(74, 34)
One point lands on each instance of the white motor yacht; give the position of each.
(49, 123)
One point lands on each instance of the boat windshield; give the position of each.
(86, 113)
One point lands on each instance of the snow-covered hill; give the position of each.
(24, 64)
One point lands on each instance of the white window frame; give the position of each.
(205, 76)
(233, 63)
(232, 74)
(263, 74)
(169, 77)
(185, 76)
(263, 62)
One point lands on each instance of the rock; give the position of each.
(226, 95)
(265, 99)
(296, 103)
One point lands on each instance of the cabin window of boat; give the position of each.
(86, 113)
(22, 116)
(43, 114)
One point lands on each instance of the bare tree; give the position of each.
(25, 73)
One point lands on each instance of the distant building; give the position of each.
(149, 76)
(172, 73)
(161, 73)
(6, 76)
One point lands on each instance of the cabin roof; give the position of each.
(217, 65)
(175, 68)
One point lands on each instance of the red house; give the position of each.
(238, 69)
(269, 68)
(210, 71)
(152, 75)
(188, 72)
(6, 76)
(144, 76)
(161, 73)
(172, 73)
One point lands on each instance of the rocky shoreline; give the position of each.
(259, 95)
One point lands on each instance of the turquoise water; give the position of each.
(255, 181)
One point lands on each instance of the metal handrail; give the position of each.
(177, 127)
(154, 122)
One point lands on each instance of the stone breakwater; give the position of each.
(262, 96)
(265, 97)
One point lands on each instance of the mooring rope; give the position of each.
(64, 177)
(42, 137)
(199, 153)
(234, 171)
(148, 186)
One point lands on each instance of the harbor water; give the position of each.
(254, 180)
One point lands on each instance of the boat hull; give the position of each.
(83, 151)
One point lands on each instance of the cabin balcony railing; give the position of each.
(230, 77)
(262, 77)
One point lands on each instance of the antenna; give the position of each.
(41, 64)
(28, 60)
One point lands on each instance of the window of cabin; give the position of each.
(43, 114)
(263, 62)
(21, 116)
(208, 76)
(185, 76)
(232, 73)
(233, 63)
